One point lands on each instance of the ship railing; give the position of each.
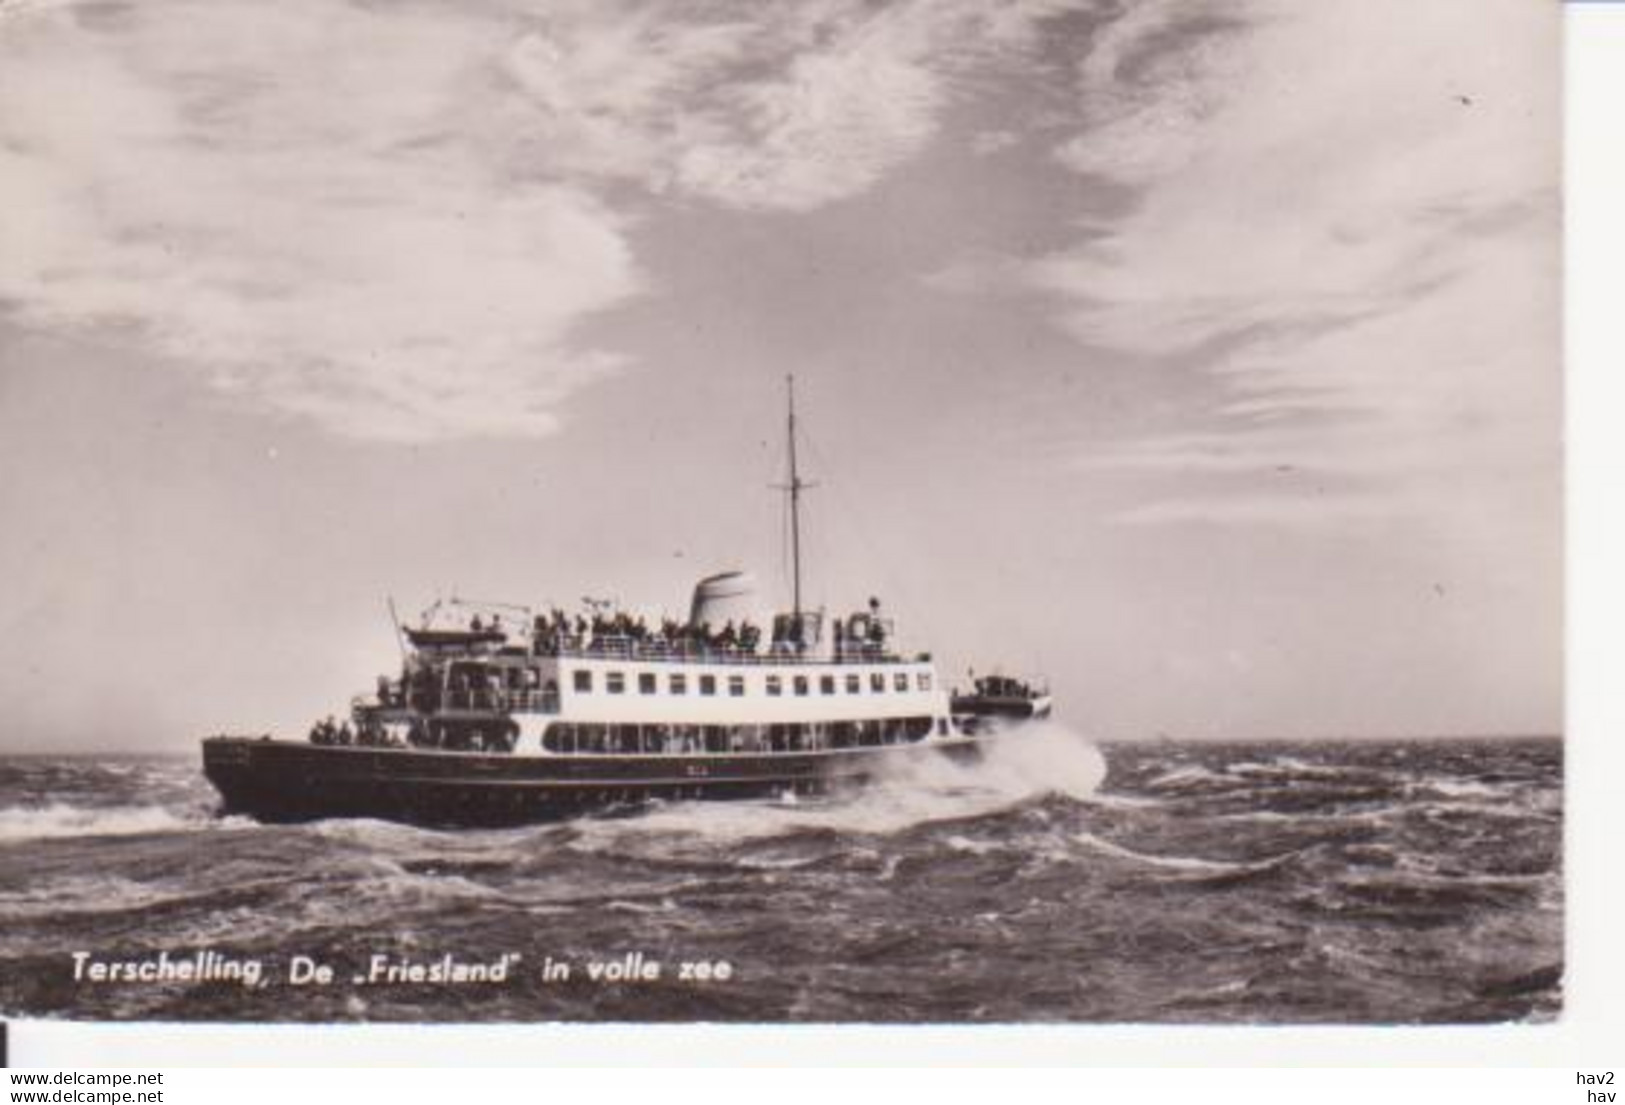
(536, 702)
(688, 653)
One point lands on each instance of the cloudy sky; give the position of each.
(1202, 356)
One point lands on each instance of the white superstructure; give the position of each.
(608, 685)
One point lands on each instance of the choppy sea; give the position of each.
(1352, 882)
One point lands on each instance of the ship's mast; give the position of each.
(795, 514)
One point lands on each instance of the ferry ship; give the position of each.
(554, 714)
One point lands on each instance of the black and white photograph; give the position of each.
(782, 512)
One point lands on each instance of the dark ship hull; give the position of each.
(285, 781)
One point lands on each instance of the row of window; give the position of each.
(648, 682)
(714, 739)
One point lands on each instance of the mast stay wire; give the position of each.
(919, 612)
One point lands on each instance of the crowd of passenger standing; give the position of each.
(560, 631)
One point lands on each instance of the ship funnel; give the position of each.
(724, 597)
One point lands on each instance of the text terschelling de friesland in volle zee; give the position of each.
(385, 969)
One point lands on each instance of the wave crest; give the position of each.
(908, 790)
(64, 820)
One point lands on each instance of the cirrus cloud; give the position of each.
(252, 191)
(1345, 217)
(392, 220)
